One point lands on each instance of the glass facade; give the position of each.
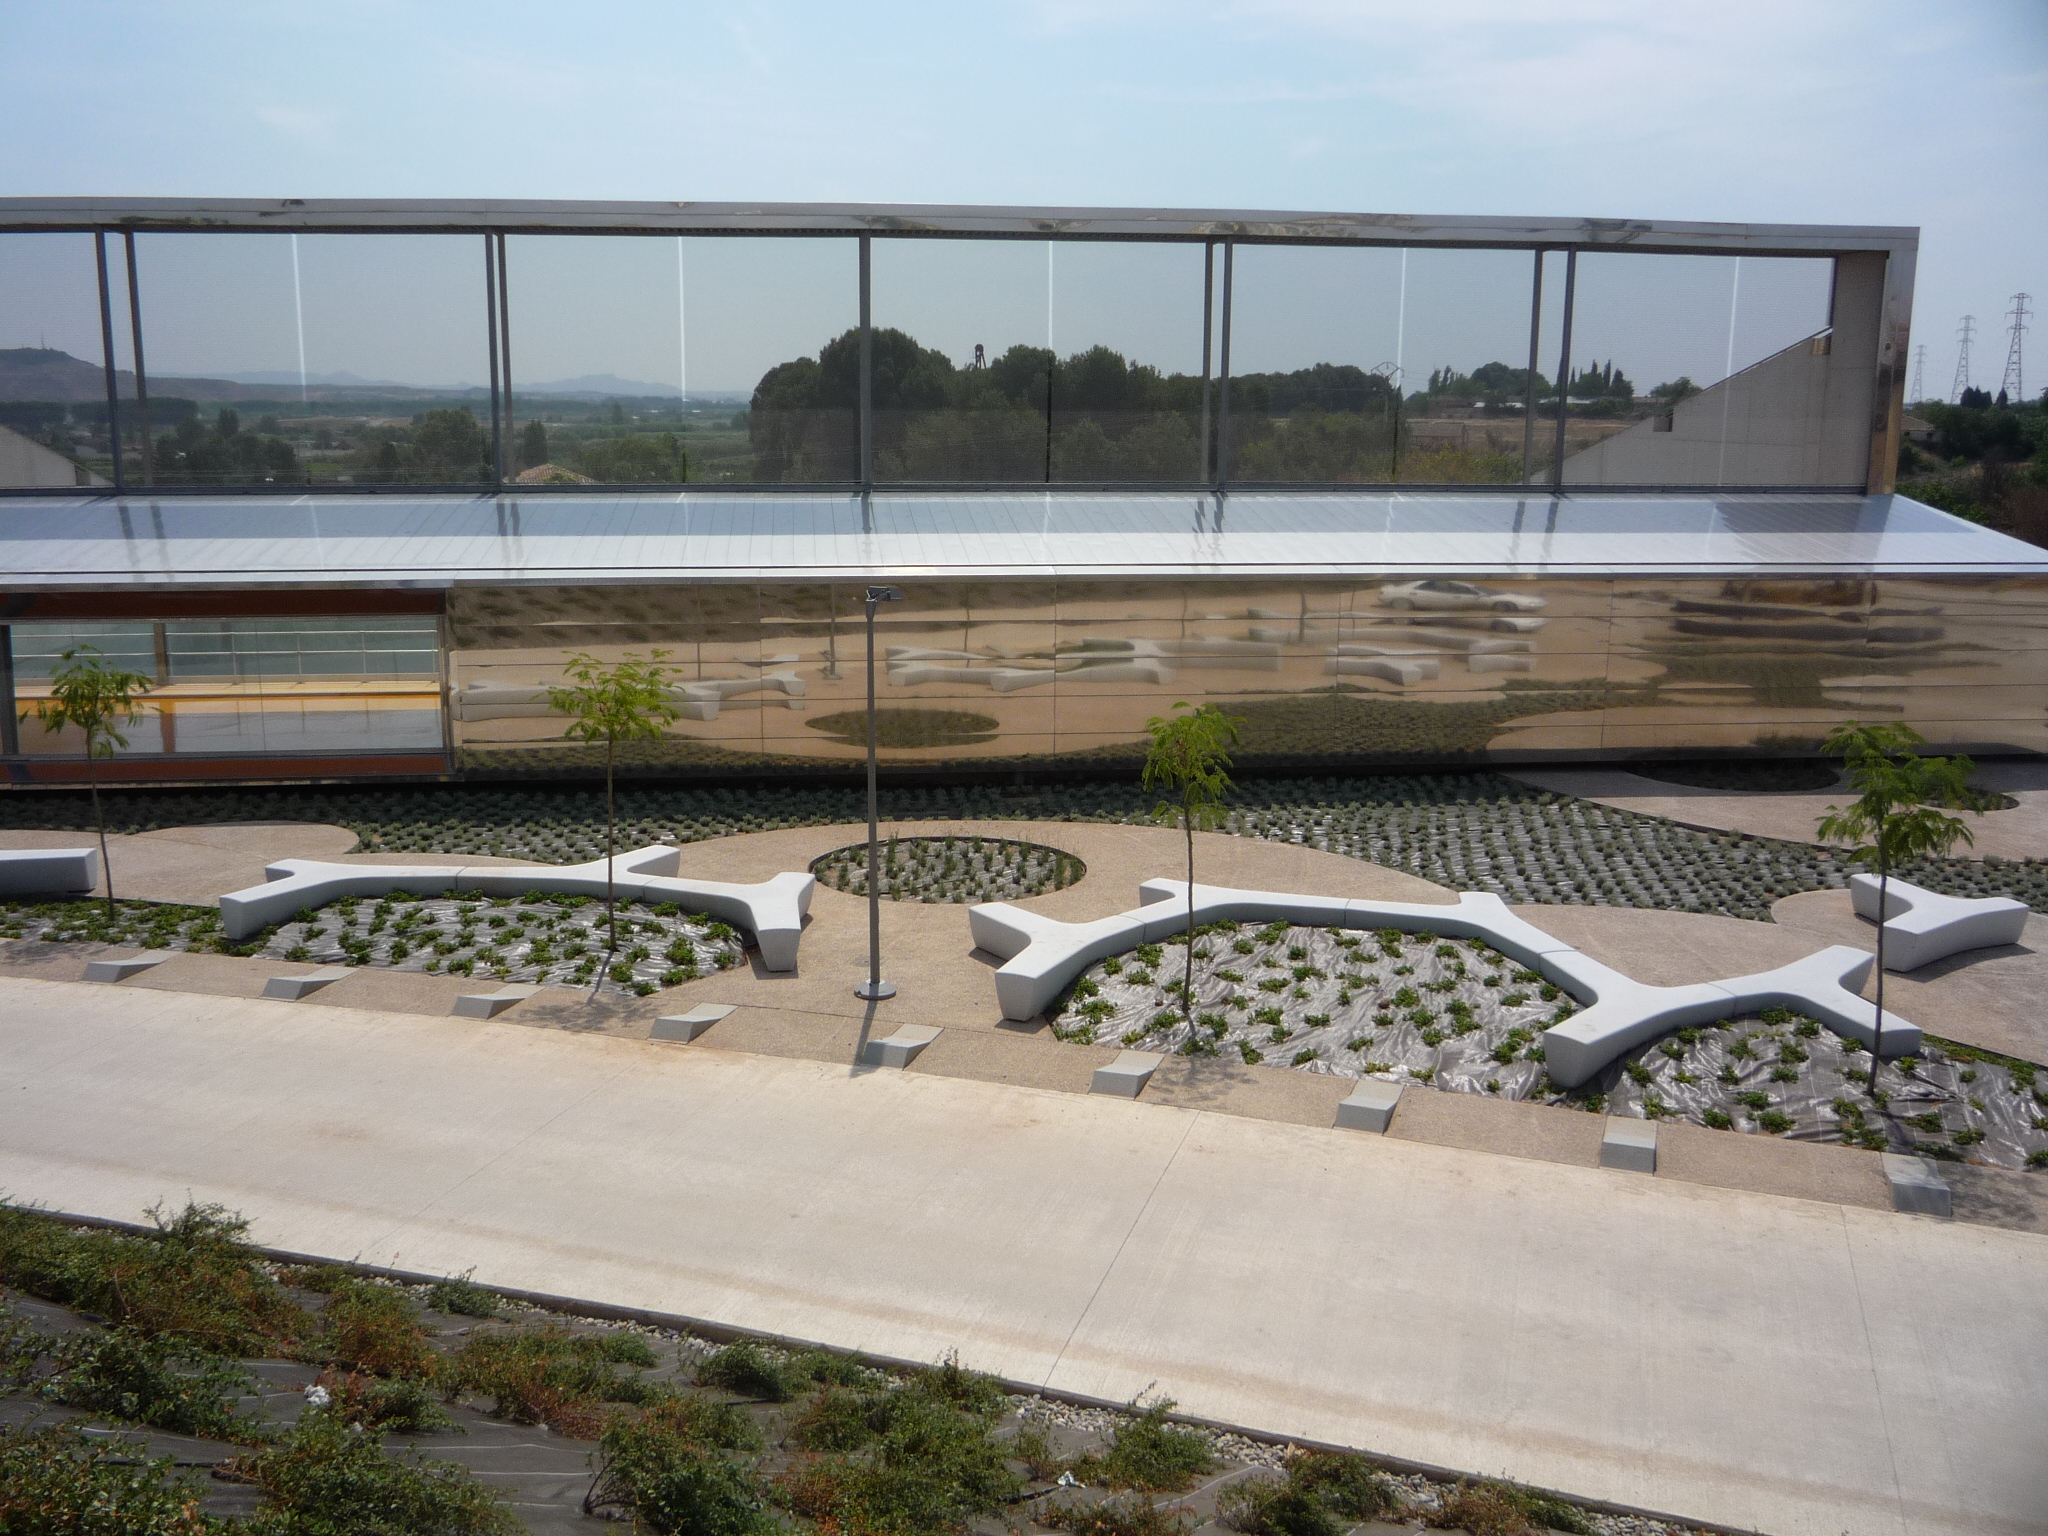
(248, 687)
(968, 347)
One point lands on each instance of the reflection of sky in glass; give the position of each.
(410, 309)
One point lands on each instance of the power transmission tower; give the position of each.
(1964, 332)
(2012, 387)
(1919, 373)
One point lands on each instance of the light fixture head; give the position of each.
(885, 595)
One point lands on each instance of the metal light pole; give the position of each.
(874, 989)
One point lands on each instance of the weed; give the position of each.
(1150, 1454)
(324, 1478)
(1269, 1506)
(1251, 1054)
(1774, 1122)
(1717, 1119)
(1501, 1509)
(928, 1467)
(2038, 1159)
(403, 1406)
(158, 1382)
(1127, 1516)
(748, 1370)
(1303, 1057)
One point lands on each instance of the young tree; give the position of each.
(99, 699)
(625, 700)
(1189, 763)
(1897, 816)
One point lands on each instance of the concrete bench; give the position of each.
(1921, 927)
(49, 871)
(120, 968)
(771, 910)
(1370, 1107)
(901, 1048)
(290, 989)
(1630, 1145)
(488, 1005)
(1043, 955)
(688, 1026)
(1917, 1186)
(1126, 1077)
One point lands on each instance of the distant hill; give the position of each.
(44, 373)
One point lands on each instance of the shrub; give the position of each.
(749, 1370)
(462, 1297)
(54, 1481)
(1269, 1506)
(191, 1279)
(1346, 1482)
(158, 1382)
(1150, 1454)
(325, 1479)
(928, 1466)
(550, 1376)
(372, 1328)
(402, 1406)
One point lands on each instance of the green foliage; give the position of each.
(1324, 1492)
(754, 1371)
(404, 1405)
(192, 1279)
(325, 1479)
(372, 1328)
(158, 1382)
(1131, 1515)
(462, 1297)
(1502, 1509)
(1150, 1454)
(1897, 816)
(57, 1481)
(549, 1375)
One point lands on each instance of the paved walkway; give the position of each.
(1787, 1365)
(2018, 833)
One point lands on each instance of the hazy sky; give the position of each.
(1835, 111)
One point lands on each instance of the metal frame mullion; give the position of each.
(99, 251)
(491, 331)
(505, 348)
(1564, 367)
(1223, 369)
(141, 372)
(1535, 346)
(867, 366)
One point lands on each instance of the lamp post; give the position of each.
(874, 989)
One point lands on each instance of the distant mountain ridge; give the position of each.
(46, 373)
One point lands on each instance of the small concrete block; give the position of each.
(1370, 1107)
(1917, 1187)
(688, 1026)
(1629, 1145)
(291, 988)
(1127, 1076)
(488, 1005)
(122, 969)
(899, 1049)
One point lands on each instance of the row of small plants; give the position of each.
(951, 869)
(149, 924)
(744, 1440)
(1466, 830)
(534, 938)
(1457, 1014)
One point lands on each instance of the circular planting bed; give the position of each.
(952, 869)
(1782, 776)
(1460, 1016)
(533, 938)
(909, 727)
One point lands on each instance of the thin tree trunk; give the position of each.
(1187, 996)
(611, 910)
(92, 780)
(1877, 1035)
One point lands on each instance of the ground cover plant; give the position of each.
(1457, 1015)
(1468, 830)
(951, 869)
(149, 924)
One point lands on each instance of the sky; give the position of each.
(1823, 111)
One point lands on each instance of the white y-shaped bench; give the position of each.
(1922, 927)
(772, 910)
(49, 872)
(1042, 955)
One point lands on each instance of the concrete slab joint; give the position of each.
(1917, 1186)
(488, 1005)
(899, 1049)
(1042, 956)
(49, 871)
(291, 988)
(1630, 1145)
(1126, 1077)
(121, 967)
(686, 1027)
(771, 910)
(1370, 1107)
(1921, 927)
